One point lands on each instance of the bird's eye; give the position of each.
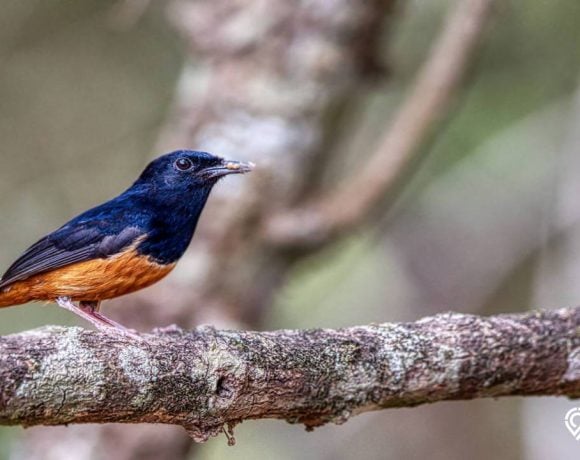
(183, 164)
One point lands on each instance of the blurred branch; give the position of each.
(206, 379)
(350, 204)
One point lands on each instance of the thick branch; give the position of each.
(206, 378)
(351, 203)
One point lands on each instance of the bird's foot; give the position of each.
(90, 312)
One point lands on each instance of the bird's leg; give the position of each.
(89, 311)
(67, 304)
(92, 308)
(94, 305)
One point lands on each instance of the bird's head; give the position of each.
(189, 170)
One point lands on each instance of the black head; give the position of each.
(189, 169)
(171, 194)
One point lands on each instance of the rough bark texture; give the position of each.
(206, 379)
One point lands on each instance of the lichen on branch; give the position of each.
(207, 379)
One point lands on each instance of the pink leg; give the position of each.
(89, 312)
(92, 309)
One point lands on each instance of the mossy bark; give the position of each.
(206, 379)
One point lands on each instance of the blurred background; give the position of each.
(485, 222)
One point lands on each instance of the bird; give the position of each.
(122, 245)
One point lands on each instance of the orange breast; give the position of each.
(97, 279)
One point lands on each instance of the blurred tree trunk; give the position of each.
(264, 81)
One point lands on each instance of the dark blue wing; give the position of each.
(98, 233)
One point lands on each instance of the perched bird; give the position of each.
(123, 245)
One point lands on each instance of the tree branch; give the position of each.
(207, 379)
(350, 204)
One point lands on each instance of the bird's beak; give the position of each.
(227, 167)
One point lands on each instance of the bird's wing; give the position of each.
(70, 244)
